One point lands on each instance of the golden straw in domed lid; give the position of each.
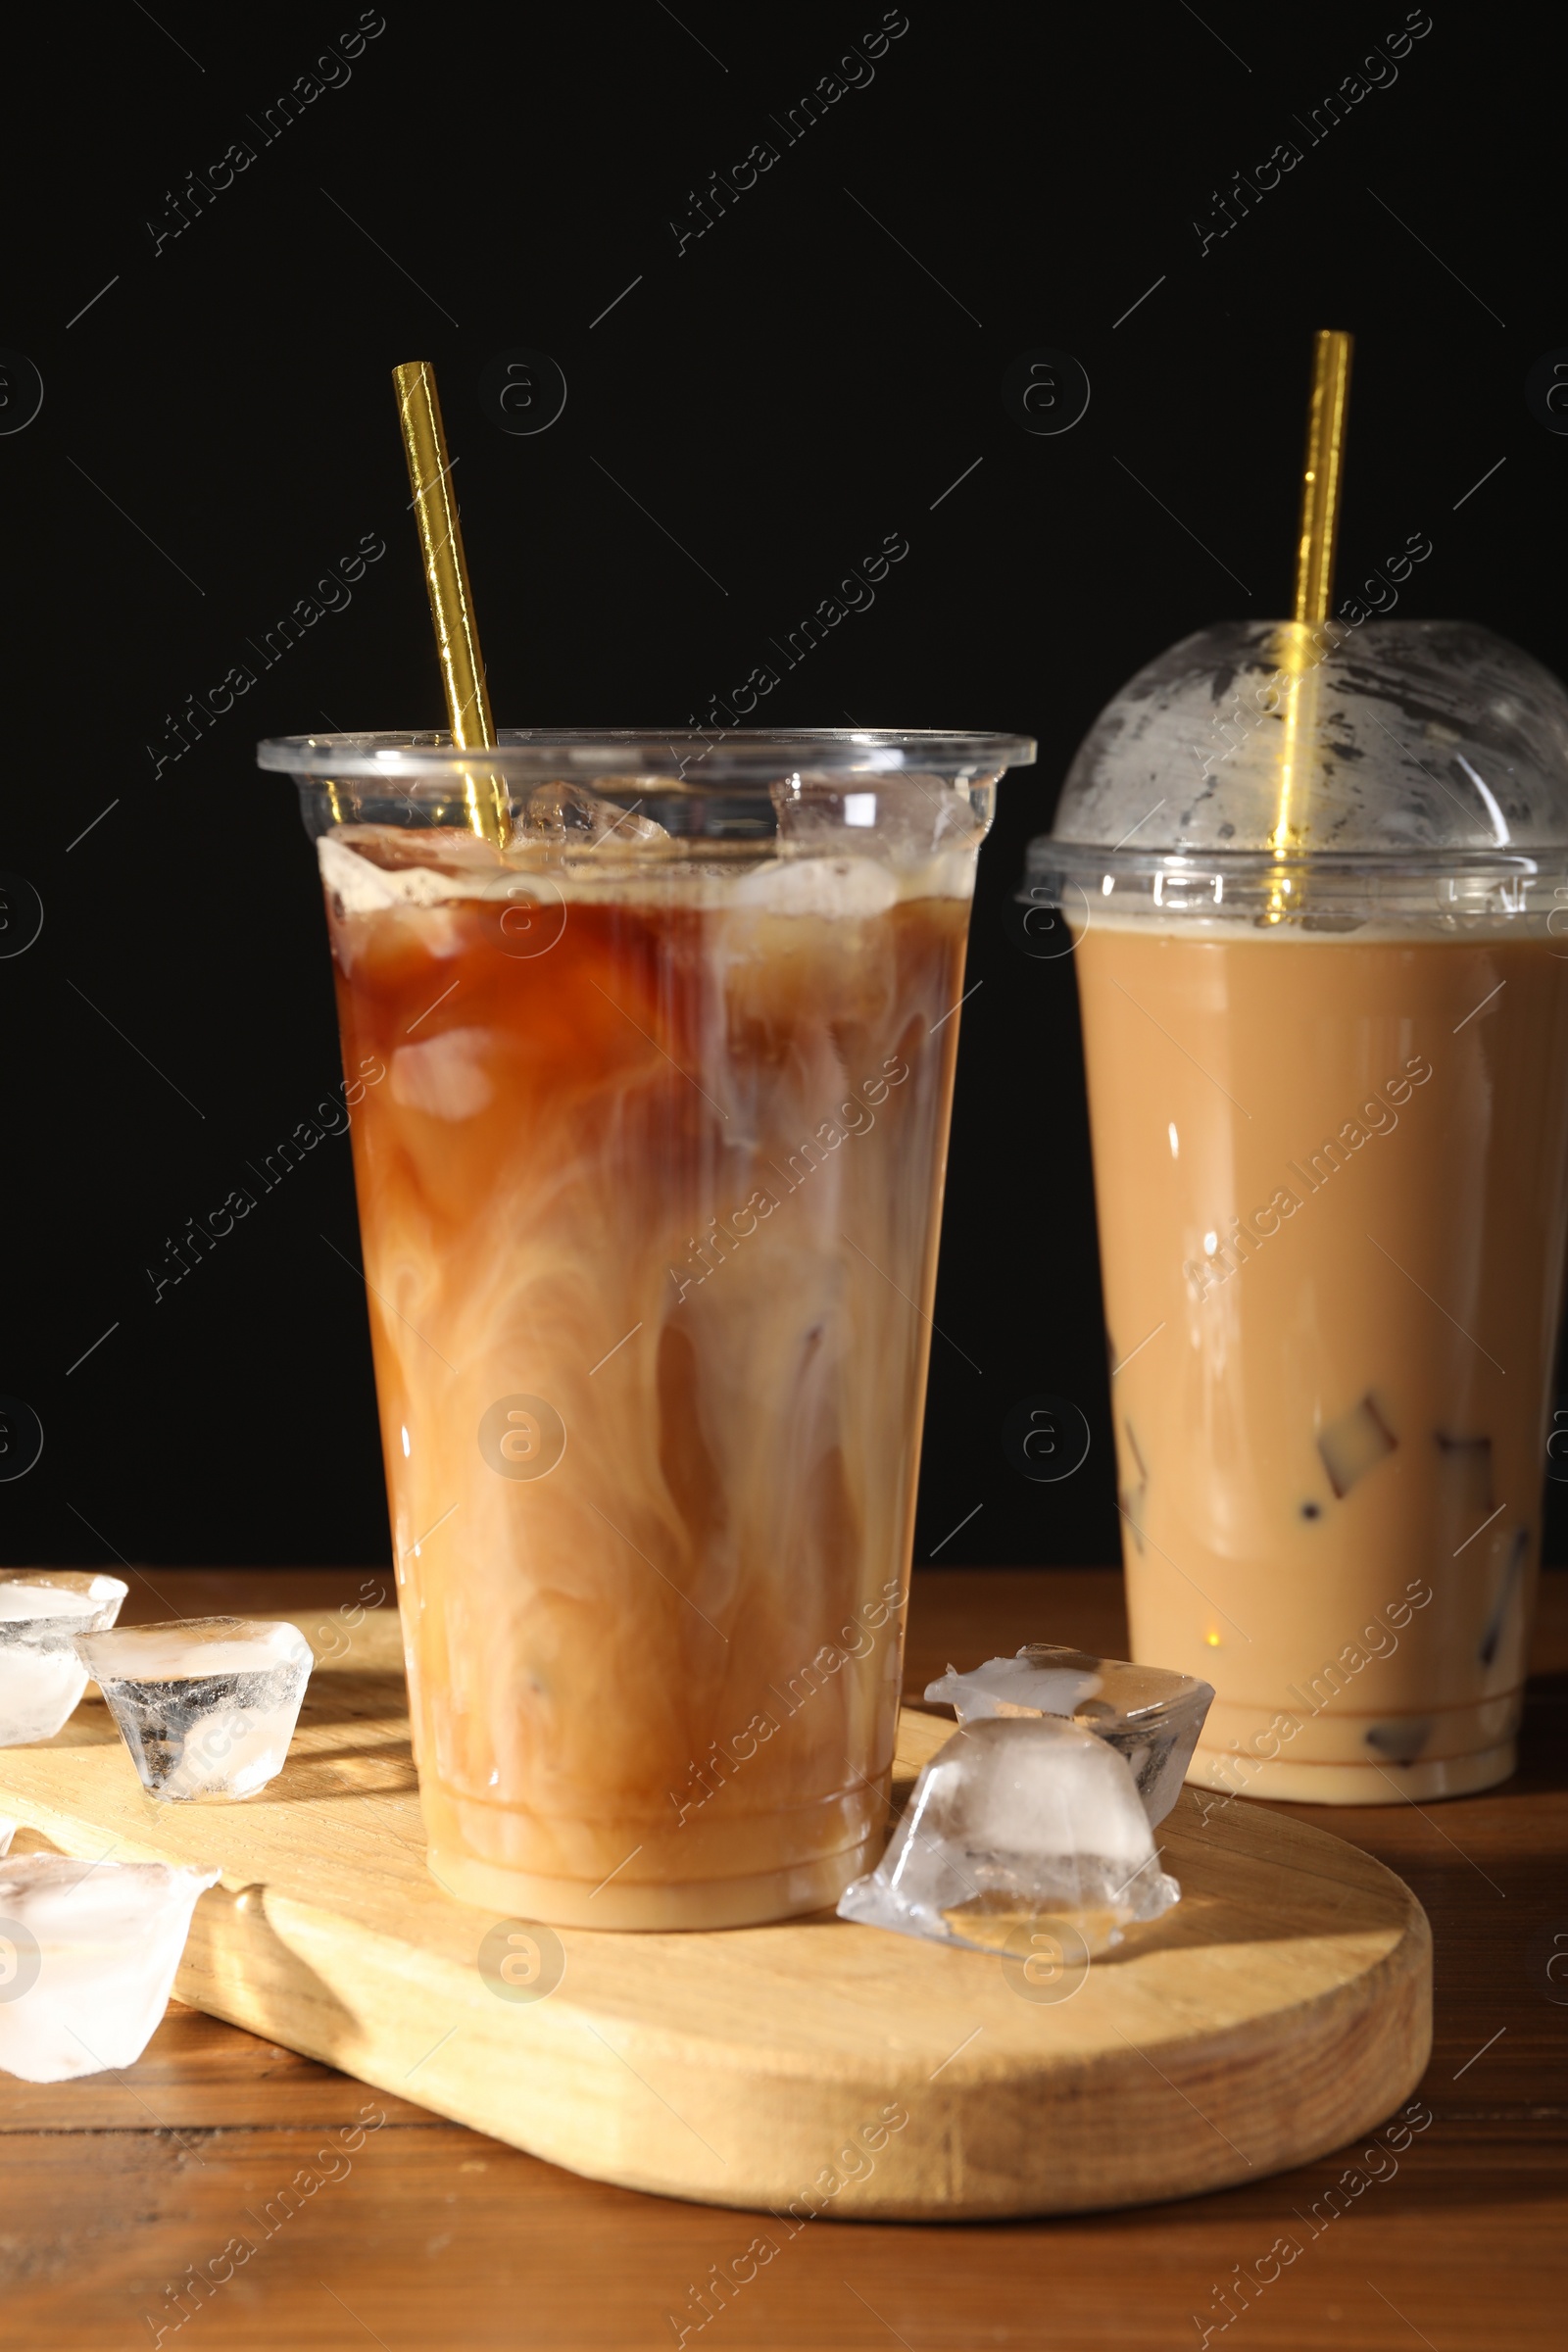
(1321, 484)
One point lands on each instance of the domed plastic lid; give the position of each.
(1407, 767)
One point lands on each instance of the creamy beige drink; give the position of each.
(1331, 1183)
(1329, 1096)
(649, 1195)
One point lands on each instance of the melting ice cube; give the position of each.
(1510, 1588)
(1464, 1483)
(1401, 1739)
(906, 818)
(824, 886)
(1016, 1820)
(41, 1677)
(1134, 1494)
(446, 1076)
(1016, 1687)
(567, 815)
(1354, 1444)
(87, 1955)
(207, 1705)
(1151, 1717)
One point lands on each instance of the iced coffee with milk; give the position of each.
(1328, 1087)
(649, 1198)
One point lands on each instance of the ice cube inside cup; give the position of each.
(207, 1705)
(1017, 1819)
(1150, 1716)
(41, 1677)
(88, 1952)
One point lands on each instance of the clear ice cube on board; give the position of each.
(41, 1677)
(1150, 1716)
(1017, 1819)
(87, 1955)
(207, 1705)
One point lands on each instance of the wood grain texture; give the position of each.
(112, 2188)
(1285, 2004)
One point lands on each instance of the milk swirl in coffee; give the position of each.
(649, 1203)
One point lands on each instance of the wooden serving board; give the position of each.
(813, 2067)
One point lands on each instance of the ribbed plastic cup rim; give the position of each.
(689, 757)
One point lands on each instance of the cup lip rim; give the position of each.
(727, 754)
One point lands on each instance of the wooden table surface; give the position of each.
(410, 2231)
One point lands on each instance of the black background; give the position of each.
(818, 369)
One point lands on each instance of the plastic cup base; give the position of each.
(1299, 1784)
(699, 1903)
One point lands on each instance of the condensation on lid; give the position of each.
(1399, 738)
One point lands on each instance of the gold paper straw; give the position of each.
(1322, 475)
(446, 576)
(1320, 486)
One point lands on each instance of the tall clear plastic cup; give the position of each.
(1319, 892)
(650, 1116)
